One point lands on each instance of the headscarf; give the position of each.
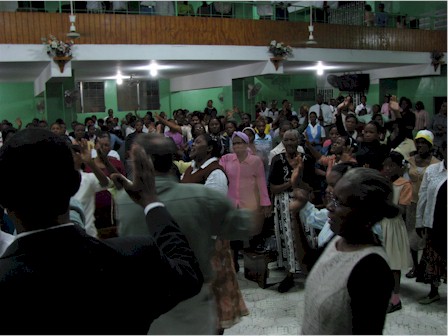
(249, 129)
(241, 135)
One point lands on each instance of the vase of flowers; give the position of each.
(279, 49)
(58, 48)
(436, 59)
(60, 51)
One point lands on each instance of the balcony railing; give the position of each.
(349, 13)
(30, 27)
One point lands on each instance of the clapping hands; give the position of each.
(297, 169)
(301, 197)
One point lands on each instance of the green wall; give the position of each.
(373, 95)
(417, 8)
(302, 82)
(424, 89)
(196, 100)
(110, 95)
(17, 100)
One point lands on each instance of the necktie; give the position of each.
(321, 117)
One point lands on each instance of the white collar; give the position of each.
(205, 164)
(441, 167)
(27, 233)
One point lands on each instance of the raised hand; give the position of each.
(102, 155)
(393, 104)
(142, 189)
(343, 105)
(86, 155)
(347, 154)
(19, 122)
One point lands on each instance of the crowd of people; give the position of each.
(349, 193)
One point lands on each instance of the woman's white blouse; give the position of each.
(435, 175)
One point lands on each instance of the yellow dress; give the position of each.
(395, 237)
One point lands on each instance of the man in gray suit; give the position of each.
(203, 214)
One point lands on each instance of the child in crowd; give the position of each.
(314, 132)
(395, 238)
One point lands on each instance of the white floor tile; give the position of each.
(274, 313)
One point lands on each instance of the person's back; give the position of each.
(199, 210)
(55, 278)
(67, 286)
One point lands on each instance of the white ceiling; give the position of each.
(24, 63)
(102, 70)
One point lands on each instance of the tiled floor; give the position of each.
(274, 313)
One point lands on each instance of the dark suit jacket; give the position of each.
(62, 281)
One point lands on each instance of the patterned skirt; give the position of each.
(432, 266)
(229, 300)
(284, 233)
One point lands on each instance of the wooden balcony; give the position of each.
(29, 28)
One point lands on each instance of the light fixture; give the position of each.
(311, 29)
(320, 68)
(119, 78)
(153, 69)
(72, 17)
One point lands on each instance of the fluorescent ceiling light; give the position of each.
(119, 78)
(153, 68)
(320, 67)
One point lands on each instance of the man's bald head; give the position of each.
(160, 148)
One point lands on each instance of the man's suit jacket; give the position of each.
(63, 281)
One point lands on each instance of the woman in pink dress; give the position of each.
(247, 182)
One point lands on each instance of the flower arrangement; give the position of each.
(57, 48)
(279, 49)
(436, 59)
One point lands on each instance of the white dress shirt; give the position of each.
(267, 113)
(112, 153)
(5, 240)
(327, 113)
(217, 179)
(362, 106)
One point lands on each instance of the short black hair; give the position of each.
(51, 160)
